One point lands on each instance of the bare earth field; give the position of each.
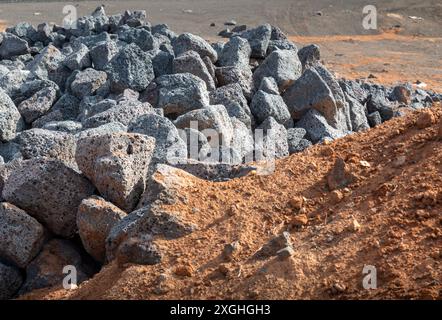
(401, 50)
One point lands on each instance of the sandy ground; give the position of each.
(388, 217)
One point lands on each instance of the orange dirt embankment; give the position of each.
(389, 218)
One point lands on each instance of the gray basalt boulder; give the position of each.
(87, 82)
(117, 164)
(282, 65)
(48, 268)
(259, 39)
(187, 41)
(10, 281)
(168, 144)
(236, 52)
(12, 45)
(95, 218)
(191, 62)
(232, 97)
(177, 94)
(21, 235)
(10, 119)
(50, 192)
(130, 68)
(43, 143)
(266, 105)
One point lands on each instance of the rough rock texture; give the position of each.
(10, 281)
(259, 39)
(49, 191)
(177, 94)
(187, 41)
(37, 105)
(21, 235)
(117, 164)
(130, 68)
(87, 82)
(168, 143)
(191, 62)
(236, 52)
(266, 105)
(95, 218)
(35, 143)
(10, 118)
(282, 65)
(274, 142)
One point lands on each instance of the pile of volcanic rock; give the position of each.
(91, 116)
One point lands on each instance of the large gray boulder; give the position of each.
(117, 164)
(359, 121)
(266, 105)
(214, 118)
(12, 46)
(309, 55)
(102, 54)
(87, 82)
(66, 108)
(130, 68)
(50, 192)
(259, 39)
(274, 140)
(241, 75)
(177, 94)
(317, 127)
(310, 91)
(139, 36)
(21, 235)
(79, 59)
(42, 143)
(232, 97)
(187, 41)
(191, 62)
(125, 112)
(282, 65)
(236, 52)
(95, 218)
(168, 144)
(10, 281)
(242, 140)
(10, 119)
(38, 104)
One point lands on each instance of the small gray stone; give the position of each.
(274, 142)
(214, 118)
(241, 75)
(49, 191)
(317, 127)
(296, 141)
(124, 112)
(374, 119)
(10, 281)
(168, 143)
(37, 105)
(309, 55)
(140, 250)
(36, 143)
(231, 96)
(66, 108)
(269, 85)
(102, 54)
(79, 59)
